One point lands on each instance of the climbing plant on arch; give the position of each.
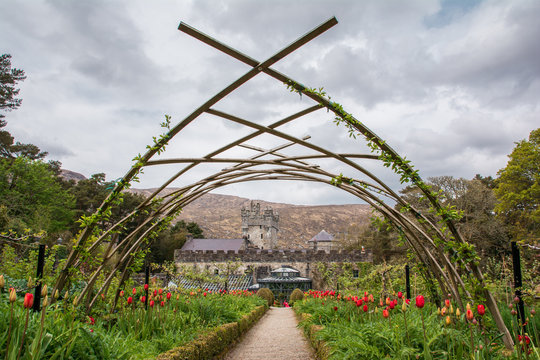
(438, 246)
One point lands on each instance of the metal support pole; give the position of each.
(39, 275)
(146, 281)
(407, 282)
(517, 282)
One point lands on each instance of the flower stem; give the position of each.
(24, 333)
(9, 330)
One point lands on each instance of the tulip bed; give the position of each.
(360, 327)
(62, 331)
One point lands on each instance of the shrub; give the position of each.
(296, 295)
(267, 295)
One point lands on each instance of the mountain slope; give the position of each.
(219, 217)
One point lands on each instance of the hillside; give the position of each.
(219, 217)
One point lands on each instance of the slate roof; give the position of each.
(322, 236)
(213, 244)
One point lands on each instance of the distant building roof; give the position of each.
(322, 236)
(213, 244)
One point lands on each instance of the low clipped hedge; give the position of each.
(321, 348)
(216, 341)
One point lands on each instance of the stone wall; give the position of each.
(261, 262)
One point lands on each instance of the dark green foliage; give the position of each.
(267, 295)
(162, 248)
(518, 190)
(296, 295)
(32, 198)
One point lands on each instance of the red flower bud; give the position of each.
(162, 303)
(481, 310)
(130, 300)
(134, 291)
(155, 293)
(447, 303)
(408, 301)
(145, 286)
(204, 294)
(365, 308)
(28, 301)
(469, 315)
(122, 293)
(152, 303)
(400, 295)
(143, 299)
(419, 301)
(168, 296)
(391, 305)
(385, 313)
(335, 308)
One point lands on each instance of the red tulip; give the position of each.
(470, 315)
(447, 303)
(400, 295)
(134, 291)
(408, 301)
(365, 308)
(335, 308)
(155, 293)
(151, 303)
(28, 301)
(91, 320)
(168, 296)
(160, 291)
(385, 313)
(419, 301)
(204, 294)
(145, 286)
(391, 305)
(130, 300)
(143, 299)
(162, 303)
(481, 310)
(122, 293)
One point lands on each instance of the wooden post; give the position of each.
(407, 281)
(518, 282)
(39, 276)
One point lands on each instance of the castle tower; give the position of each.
(260, 228)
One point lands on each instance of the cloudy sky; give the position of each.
(451, 85)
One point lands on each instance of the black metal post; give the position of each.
(516, 262)
(146, 282)
(39, 275)
(407, 282)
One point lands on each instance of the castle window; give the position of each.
(261, 236)
(355, 273)
(260, 226)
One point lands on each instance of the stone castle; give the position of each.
(256, 254)
(260, 229)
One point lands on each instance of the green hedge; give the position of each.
(321, 348)
(216, 341)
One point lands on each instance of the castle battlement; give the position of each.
(267, 255)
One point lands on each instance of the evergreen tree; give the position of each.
(518, 190)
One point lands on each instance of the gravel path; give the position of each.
(274, 337)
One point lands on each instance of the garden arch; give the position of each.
(444, 252)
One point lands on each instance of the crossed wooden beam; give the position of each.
(267, 164)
